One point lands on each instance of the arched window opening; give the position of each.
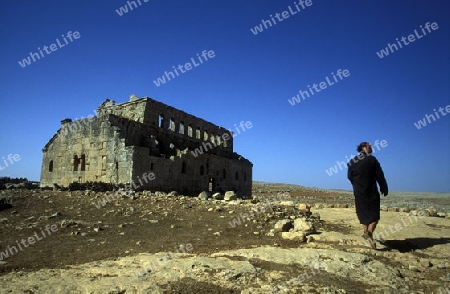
(83, 162)
(172, 125)
(161, 121)
(50, 166)
(198, 133)
(205, 136)
(76, 161)
(183, 167)
(190, 131)
(181, 129)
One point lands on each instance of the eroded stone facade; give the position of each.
(148, 144)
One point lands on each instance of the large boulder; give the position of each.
(303, 225)
(283, 225)
(204, 195)
(230, 195)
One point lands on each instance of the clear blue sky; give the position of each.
(250, 78)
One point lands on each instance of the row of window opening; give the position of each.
(215, 139)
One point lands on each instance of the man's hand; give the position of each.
(384, 193)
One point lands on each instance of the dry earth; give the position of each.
(177, 244)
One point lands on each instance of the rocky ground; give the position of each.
(287, 239)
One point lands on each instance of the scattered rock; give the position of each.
(304, 207)
(67, 223)
(294, 236)
(204, 195)
(431, 212)
(217, 196)
(283, 225)
(229, 196)
(302, 225)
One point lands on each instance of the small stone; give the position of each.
(217, 196)
(216, 234)
(393, 209)
(425, 262)
(172, 226)
(3, 220)
(431, 211)
(294, 236)
(304, 207)
(256, 233)
(210, 209)
(83, 234)
(383, 208)
(231, 212)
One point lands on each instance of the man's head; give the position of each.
(364, 147)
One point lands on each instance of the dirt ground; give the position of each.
(128, 226)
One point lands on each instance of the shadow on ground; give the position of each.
(411, 244)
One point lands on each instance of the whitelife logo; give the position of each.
(411, 38)
(122, 10)
(285, 14)
(187, 67)
(423, 123)
(35, 56)
(340, 73)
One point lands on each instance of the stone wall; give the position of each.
(127, 142)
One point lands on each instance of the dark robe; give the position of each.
(364, 171)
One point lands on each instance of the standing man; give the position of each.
(364, 171)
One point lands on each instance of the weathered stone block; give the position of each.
(294, 236)
(283, 225)
(302, 225)
(229, 196)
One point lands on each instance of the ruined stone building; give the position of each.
(148, 144)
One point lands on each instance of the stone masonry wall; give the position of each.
(143, 136)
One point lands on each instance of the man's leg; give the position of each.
(368, 231)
